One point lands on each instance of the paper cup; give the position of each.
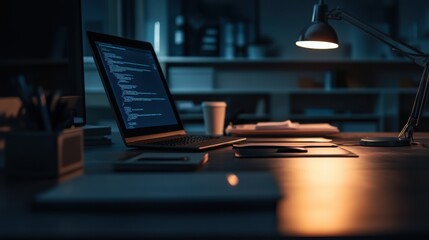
(214, 117)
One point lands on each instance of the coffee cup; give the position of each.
(214, 117)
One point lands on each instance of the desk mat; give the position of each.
(311, 151)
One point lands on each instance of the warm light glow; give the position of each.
(232, 180)
(316, 44)
(321, 196)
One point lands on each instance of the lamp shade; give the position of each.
(318, 35)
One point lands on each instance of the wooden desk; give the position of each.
(382, 193)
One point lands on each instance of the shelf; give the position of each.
(190, 91)
(303, 91)
(291, 64)
(335, 116)
(274, 84)
(214, 91)
(221, 60)
(89, 61)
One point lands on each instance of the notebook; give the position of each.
(144, 108)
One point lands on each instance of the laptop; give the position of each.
(137, 90)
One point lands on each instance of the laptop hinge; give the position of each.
(154, 136)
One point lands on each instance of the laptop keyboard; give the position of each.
(187, 140)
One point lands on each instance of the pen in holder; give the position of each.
(42, 142)
(43, 154)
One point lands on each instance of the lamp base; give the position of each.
(385, 142)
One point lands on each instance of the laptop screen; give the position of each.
(135, 85)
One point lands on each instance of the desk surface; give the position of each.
(383, 192)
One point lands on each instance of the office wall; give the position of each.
(281, 21)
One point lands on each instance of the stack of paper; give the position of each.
(286, 128)
(288, 124)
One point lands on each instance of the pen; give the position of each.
(28, 108)
(43, 109)
(24, 91)
(55, 98)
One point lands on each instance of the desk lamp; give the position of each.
(320, 35)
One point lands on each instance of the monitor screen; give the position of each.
(42, 41)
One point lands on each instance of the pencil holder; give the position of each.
(43, 154)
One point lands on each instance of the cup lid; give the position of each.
(213, 104)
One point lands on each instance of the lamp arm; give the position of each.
(396, 44)
(406, 49)
(419, 102)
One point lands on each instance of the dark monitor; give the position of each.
(42, 41)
